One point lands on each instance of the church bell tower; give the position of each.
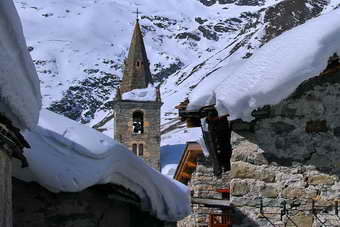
(137, 121)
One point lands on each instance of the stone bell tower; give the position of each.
(137, 122)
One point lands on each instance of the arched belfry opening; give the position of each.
(138, 122)
(141, 149)
(138, 149)
(134, 148)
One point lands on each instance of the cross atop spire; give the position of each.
(137, 68)
(137, 15)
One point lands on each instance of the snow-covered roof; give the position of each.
(143, 94)
(67, 156)
(20, 98)
(274, 71)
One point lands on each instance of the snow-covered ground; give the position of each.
(274, 71)
(68, 156)
(20, 98)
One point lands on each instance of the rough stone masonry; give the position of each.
(288, 154)
(151, 136)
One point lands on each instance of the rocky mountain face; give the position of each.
(79, 47)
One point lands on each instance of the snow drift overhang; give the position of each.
(20, 98)
(67, 156)
(273, 72)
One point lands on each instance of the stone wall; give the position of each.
(298, 158)
(151, 136)
(5, 190)
(203, 184)
(98, 206)
(289, 154)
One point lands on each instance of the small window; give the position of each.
(140, 150)
(138, 63)
(138, 122)
(134, 148)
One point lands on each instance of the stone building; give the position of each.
(87, 179)
(97, 206)
(11, 146)
(137, 121)
(196, 171)
(5, 190)
(285, 163)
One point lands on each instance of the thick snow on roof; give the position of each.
(67, 156)
(274, 71)
(143, 94)
(20, 98)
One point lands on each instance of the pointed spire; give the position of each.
(137, 72)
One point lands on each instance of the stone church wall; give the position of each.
(5, 190)
(292, 156)
(151, 136)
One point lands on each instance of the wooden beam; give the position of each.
(185, 175)
(191, 164)
(181, 165)
(211, 202)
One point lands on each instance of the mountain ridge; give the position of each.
(79, 47)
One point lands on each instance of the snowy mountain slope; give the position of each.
(73, 42)
(78, 47)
